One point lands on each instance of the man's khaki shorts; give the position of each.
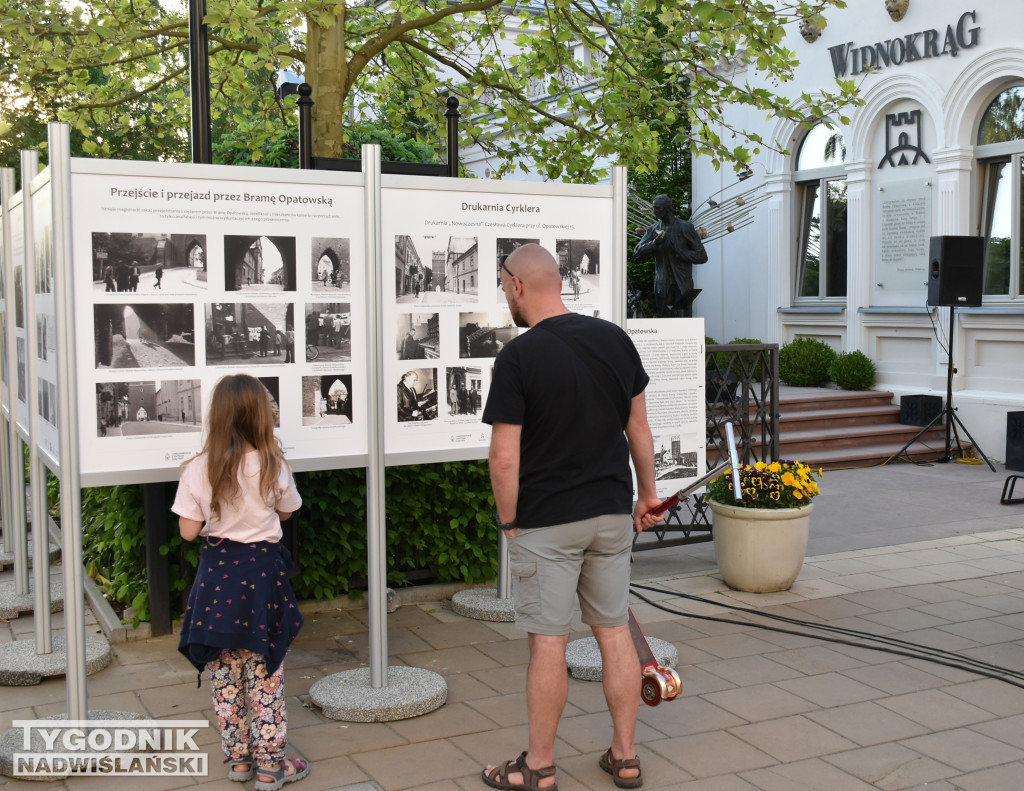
(551, 565)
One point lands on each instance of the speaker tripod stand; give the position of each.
(948, 412)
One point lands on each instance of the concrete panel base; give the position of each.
(21, 666)
(584, 657)
(13, 741)
(483, 604)
(348, 696)
(14, 604)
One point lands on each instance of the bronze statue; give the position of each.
(676, 247)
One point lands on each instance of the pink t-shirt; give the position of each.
(248, 518)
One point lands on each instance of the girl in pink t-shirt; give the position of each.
(242, 613)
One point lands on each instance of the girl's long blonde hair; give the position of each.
(240, 416)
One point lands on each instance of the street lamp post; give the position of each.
(199, 78)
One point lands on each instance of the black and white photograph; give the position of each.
(331, 265)
(418, 336)
(19, 344)
(484, 334)
(168, 406)
(436, 270)
(43, 269)
(240, 333)
(46, 340)
(417, 395)
(144, 336)
(273, 387)
(329, 332)
(670, 460)
(149, 263)
(327, 400)
(579, 264)
(19, 297)
(505, 248)
(464, 392)
(47, 394)
(259, 263)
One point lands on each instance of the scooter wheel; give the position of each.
(650, 692)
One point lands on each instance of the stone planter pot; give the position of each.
(760, 550)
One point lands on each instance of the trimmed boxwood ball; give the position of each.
(852, 371)
(805, 362)
(756, 369)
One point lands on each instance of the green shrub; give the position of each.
(852, 371)
(113, 542)
(439, 526)
(722, 359)
(756, 369)
(805, 362)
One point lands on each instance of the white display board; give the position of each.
(17, 289)
(45, 318)
(444, 313)
(6, 183)
(672, 351)
(186, 273)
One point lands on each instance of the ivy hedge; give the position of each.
(439, 528)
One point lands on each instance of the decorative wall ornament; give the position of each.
(897, 8)
(906, 127)
(810, 31)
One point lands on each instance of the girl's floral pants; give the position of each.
(249, 703)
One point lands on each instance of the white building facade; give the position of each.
(832, 239)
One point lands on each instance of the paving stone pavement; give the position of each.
(759, 711)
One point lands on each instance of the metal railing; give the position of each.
(742, 388)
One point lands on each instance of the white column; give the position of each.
(953, 168)
(778, 212)
(859, 266)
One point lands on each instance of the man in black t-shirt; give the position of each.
(567, 410)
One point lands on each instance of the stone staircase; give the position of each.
(840, 428)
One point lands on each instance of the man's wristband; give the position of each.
(504, 525)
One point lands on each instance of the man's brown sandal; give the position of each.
(498, 776)
(613, 767)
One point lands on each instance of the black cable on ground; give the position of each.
(893, 645)
(839, 630)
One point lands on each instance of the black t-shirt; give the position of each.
(569, 382)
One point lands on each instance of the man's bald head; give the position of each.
(536, 268)
(532, 285)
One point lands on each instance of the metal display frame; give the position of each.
(16, 430)
(8, 435)
(39, 460)
(66, 464)
(70, 473)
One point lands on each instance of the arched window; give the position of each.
(820, 181)
(1000, 155)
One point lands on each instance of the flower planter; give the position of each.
(760, 549)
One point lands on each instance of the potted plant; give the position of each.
(761, 538)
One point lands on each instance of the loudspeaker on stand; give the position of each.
(955, 271)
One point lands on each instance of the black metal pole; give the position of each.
(154, 503)
(305, 103)
(199, 74)
(452, 115)
(950, 370)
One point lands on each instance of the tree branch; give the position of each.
(477, 79)
(398, 29)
